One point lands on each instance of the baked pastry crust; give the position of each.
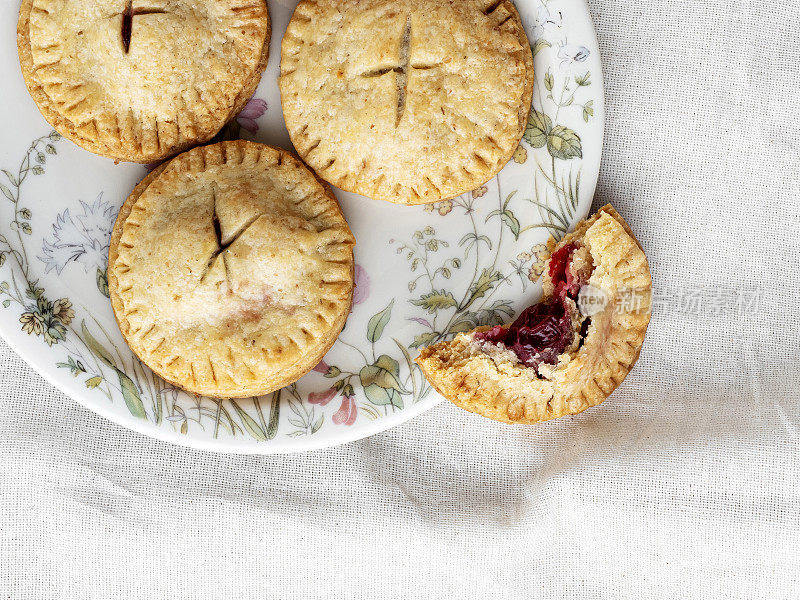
(231, 269)
(190, 66)
(411, 101)
(505, 390)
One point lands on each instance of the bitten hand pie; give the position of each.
(231, 269)
(410, 101)
(568, 352)
(141, 80)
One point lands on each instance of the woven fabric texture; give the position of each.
(684, 484)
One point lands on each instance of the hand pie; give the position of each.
(568, 352)
(411, 101)
(141, 80)
(231, 270)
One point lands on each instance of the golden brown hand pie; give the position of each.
(231, 269)
(141, 80)
(568, 352)
(410, 101)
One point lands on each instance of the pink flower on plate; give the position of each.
(254, 108)
(322, 367)
(347, 413)
(362, 285)
(421, 321)
(322, 398)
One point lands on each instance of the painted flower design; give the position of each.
(362, 282)
(322, 367)
(546, 22)
(322, 398)
(62, 310)
(81, 234)
(571, 54)
(478, 192)
(254, 108)
(443, 207)
(80, 238)
(48, 319)
(348, 411)
(539, 253)
(32, 323)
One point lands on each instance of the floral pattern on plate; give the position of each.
(453, 265)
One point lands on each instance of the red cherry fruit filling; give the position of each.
(542, 331)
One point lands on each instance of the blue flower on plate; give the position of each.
(80, 238)
(571, 54)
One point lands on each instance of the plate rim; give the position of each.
(285, 445)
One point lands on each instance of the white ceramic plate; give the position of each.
(423, 272)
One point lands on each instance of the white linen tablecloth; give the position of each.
(684, 484)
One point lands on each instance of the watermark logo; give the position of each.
(591, 300)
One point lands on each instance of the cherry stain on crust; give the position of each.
(542, 331)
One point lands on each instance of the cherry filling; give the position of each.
(545, 330)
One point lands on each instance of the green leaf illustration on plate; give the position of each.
(472, 238)
(93, 382)
(485, 283)
(130, 393)
(538, 128)
(75, 367)
(507, 216)
(463, 326)
(380, 382)
(14, 181)
(423, 339)
(96, 347)
(6, 192)
(564, 143)
(317, 424)
(588, 110)
(378, 322)
(274, 414)
(383, 373)
(548, 81)
(102, 281)
(540, 45)
(249, 423)
(435, 301)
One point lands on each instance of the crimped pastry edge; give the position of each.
(286, 375)
(405, 197)
(66, 128)
(509, 393)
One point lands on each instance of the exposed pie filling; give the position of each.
(545, 330)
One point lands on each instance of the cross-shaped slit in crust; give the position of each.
(492, 7)
(127, 21)
(401, 71)
(222, 243)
